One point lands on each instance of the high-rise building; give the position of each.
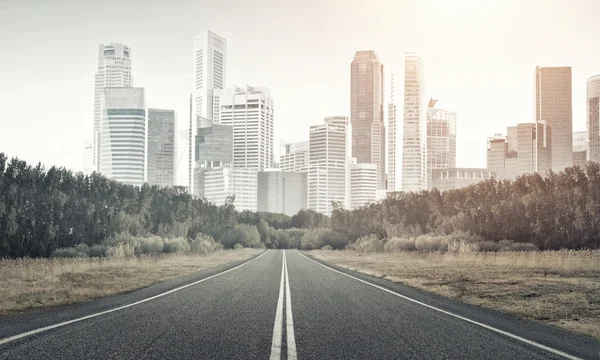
(161, 147)
(250, 111)
(554, 105)
(593, 118)
(441, 139)
(456, 178)
(123, 136)
(213, 150)
(363, 184)
(580, 148)
(366, 112)
(114, 70)
(527, 149)
(210, 53)
(88, 158)
(220, 183)
(392, 173)
(327, 164)
(295, 157)
(414, 137)
(281, 192)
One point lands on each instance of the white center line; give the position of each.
(46, 328)
(278, 327)
(291, 340)
(505, 333)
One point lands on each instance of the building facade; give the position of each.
(366, 112)
(88, 158)
(593, 118)
(161, 147)
(295, 157)
(282, 192)
(554, 105)
(580, 139)
(392, 172)
(441, 139)
(251, 113)
(363, 184)
(456, 178)
(220, 183)
(327, 164)
(414, 137)
(123, 136)
(114, 70)
(210, 54)
(213, 150)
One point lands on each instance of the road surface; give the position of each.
(282, 305)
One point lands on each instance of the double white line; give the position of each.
(284, 291)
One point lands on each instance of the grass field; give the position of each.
(36, 283)
(561, 288)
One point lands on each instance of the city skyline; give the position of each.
(161, 81)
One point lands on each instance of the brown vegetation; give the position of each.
(35, 283)
(557, 287)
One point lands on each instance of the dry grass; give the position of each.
(36, 283)
(557, 287)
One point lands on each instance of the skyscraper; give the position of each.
(114, 70)
(250, 111)
(414, 137)
(281, 192)
(327, 164)
(213, 150)
(366, 112)
(554, 105)
(210, 52)
(580, 148)
(441, 139)
(88, 158)
(392, 142)
(363, 184)
(593, 118)
(123, 135)
(161, 147)
(295, 157)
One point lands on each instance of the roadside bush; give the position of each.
(149, 246)
(122, 250)
(508, 245)
(250, 237)
(204, 244)
(238, 247)
(396, 244)
(98, 251)
(327, 247)
(311, 239)
(78, 251)
(176, 246)
(368, 244)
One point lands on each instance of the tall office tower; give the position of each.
(414, 137)
(554, 104)
(327, 164)
(219, 183)
(123, 136)
(114, 70)
(363, 184)
(213, 150)
(593, 118)
(441, 139)
(580, 148)
(295, 157)
(392, 172)
(366, 112)
(281, 192)
(161, 147)
(210, 52)
(250, 111)
(88, 158)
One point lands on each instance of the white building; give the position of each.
(219, 183)
(88, 158)
(414, 138)
(123, 136)
(441, 140)
(210, 53)
(250, 111)
(392, 171)
(593, 118)
(161, 147)
(114, 70)
(327, 165)
(281, 192)
(363, 184)
(295, 157)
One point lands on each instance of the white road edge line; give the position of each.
(278, 326)
(50, 327)
(289, 320)
(505, 333)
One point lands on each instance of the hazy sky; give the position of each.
(479, 58)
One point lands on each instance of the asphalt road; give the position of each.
(282, 305)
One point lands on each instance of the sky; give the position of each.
(479, 58)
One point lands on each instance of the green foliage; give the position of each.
(238, 247)
(176, 246)
(204, 244)
(79, 251)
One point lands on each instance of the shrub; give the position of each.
(238, 247)
(327, 247)
(78, 251)
(508, 245)
(149, 246)
(333, 238)
(204, 244)
(430, 243)
(176, 246)
(250, 236)
(369, 243)
(122, 250)
(396, 244)
(98, 251)
(311, 239)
